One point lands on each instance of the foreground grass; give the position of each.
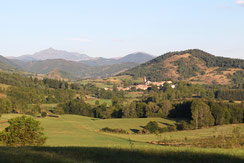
(95, 154)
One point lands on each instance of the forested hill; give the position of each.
(71, 69)
(138, 58)
(191, 65)
(7, 65)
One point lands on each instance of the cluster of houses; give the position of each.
(147, 84)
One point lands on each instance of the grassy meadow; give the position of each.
(92, 101)
(73, 138)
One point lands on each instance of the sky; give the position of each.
(115, 28)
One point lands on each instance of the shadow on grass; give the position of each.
(135, 131)
(100, 155)
(166, 124)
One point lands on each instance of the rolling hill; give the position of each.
(71, 69)
(138, 57)
(8, 65)
(191, 65)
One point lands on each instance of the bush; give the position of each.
(183, 125)
(235, 140)
(167, 129)
(144, 131)
(23, 131)
(43, 114)
(117, 130)
(152, 126)
(58, 110)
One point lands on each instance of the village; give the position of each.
(147, 84)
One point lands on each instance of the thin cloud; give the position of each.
(240, 2)
(79, 39)
(118, 40)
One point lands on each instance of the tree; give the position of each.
(220, 113)
(5, 105)
(43, 114)
(115, 100)
(97, 102)
(141, 110)
(165, 108)
(201, 114)
(23, 131)
(152, 109)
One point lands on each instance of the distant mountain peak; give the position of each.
(139, 52)
(52, 53)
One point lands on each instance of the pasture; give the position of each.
(73, 138)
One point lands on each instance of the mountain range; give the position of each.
(192, 65)
(138, 57)
(52, 54)
(73, 65)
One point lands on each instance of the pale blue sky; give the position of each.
(113, 28)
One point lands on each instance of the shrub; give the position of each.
(167, 129)
(144, 131)
(235, 140)
(43, 114)
(59, 110)
(116, 130)
(23, 131)
(183, 125)
(152, 126)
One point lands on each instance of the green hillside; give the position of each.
(71, 69)
(8, 65)
(191, 65)
(138, 58)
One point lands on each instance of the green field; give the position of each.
(72, 130)
(100, 83)
(4, 86)
(101, 101)
(109, 82)
(74, 138)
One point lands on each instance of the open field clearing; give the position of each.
(101, 101)
(74, 138)
(73, 130)
(4, 86)
(109, 82)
